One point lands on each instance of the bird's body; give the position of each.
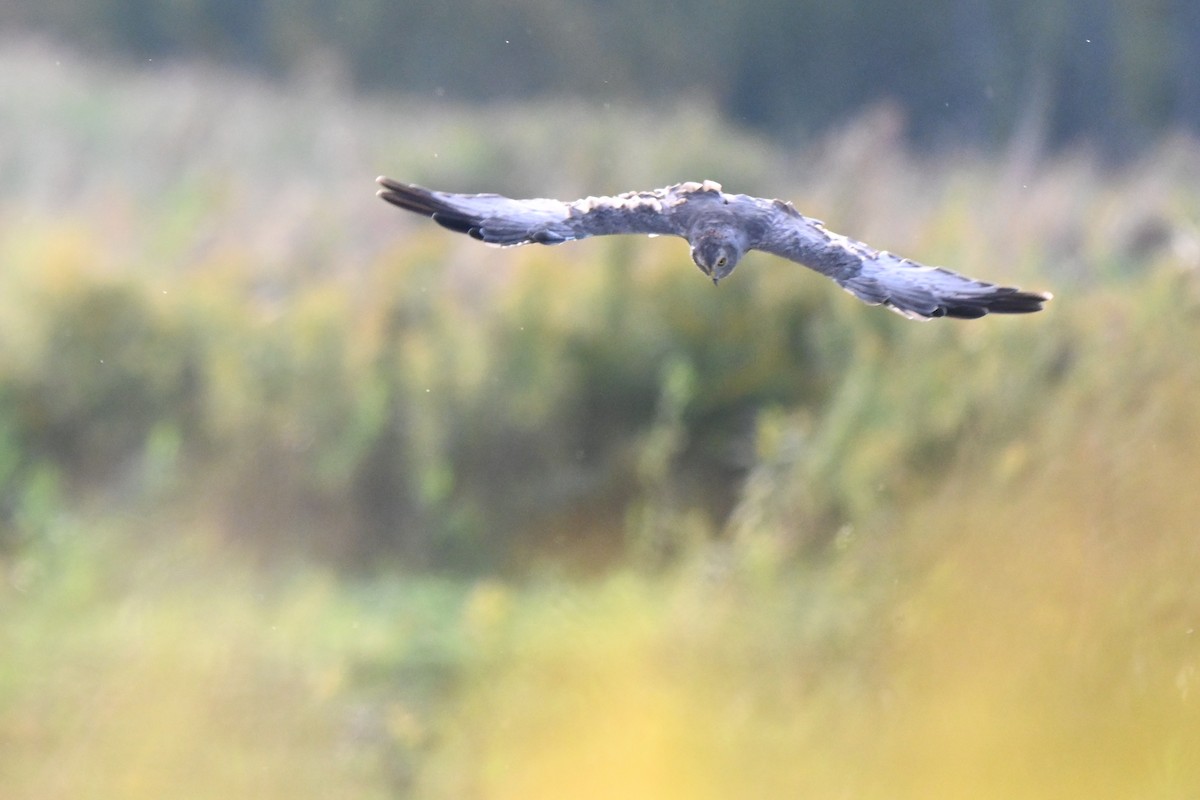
(721, 228)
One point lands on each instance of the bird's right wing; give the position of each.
(501, 220)
(879, 277)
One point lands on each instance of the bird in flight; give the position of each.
(721, 228)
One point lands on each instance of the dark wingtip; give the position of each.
(405, 201)
(421, 201)
(1018, 302)
(407, 196)
(1005, 300)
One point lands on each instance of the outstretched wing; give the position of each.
(879, 277)
(500, 220)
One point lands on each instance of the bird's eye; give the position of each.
(722, 261)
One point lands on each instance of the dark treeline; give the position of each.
(1111, 72)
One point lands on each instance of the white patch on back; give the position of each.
(631, 201)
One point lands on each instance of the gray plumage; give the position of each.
(721, 228)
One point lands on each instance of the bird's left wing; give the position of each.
(879, 277)
(501, 220)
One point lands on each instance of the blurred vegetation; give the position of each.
(1116, 73)
(300, 497)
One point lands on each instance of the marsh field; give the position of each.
(301, 497)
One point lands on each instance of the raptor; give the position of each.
(720, 228)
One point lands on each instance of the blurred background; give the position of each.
(303, 497)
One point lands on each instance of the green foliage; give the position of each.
(302, 379)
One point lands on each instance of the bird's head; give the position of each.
(716, 255)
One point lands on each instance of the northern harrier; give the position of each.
(721, 228)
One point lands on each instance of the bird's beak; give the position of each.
(716, 280)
